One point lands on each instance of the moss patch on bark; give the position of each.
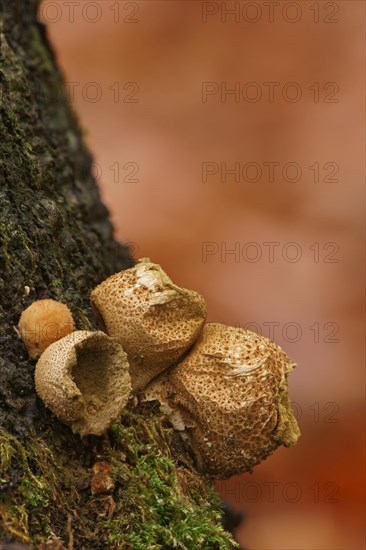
(158, 501)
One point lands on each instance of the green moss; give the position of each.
(35, 492)
(56, 285)
(157, 503)
(24, 514)
(155, 511)
(163, 518)
(5, 240)
(6, 454)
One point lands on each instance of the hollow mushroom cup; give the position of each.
(229, 398)
(154, 320)
(84, 380)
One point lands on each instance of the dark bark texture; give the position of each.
(56, 238)
(56, 241)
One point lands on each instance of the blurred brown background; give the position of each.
(138, 74)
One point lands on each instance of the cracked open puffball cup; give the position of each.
(153, 319)
(42, 323)
(84, 379)
(229, 398)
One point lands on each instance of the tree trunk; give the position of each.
(56, 241)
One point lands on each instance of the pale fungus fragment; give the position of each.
(101, 481)
(153, 319)
(42, 323)
(83, 378)
(230, 397)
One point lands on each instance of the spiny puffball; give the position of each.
(230, 398)
(42, 323)
(83, 378)
(153, 319)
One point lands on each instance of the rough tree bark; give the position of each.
(56, 241)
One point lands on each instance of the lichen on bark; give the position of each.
(56, 241)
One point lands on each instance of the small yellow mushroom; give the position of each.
(42, 323)
(83, 378)
(229, 397)
(153, 319)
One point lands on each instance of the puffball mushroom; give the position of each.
(153, 319)
(42, 323)
(230, 397)
(83, 378)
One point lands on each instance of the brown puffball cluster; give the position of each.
(42, 323)
(223, 388)
(229, 397)
(153, 319)
(84, 379)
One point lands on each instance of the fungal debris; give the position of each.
(42, 323)
(101, 481)
(152, 318)
(83, 378)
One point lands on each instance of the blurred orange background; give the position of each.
(254, 198)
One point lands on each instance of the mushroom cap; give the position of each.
(153, 319)
(231, 393)
(42, 323)
(83, 378)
